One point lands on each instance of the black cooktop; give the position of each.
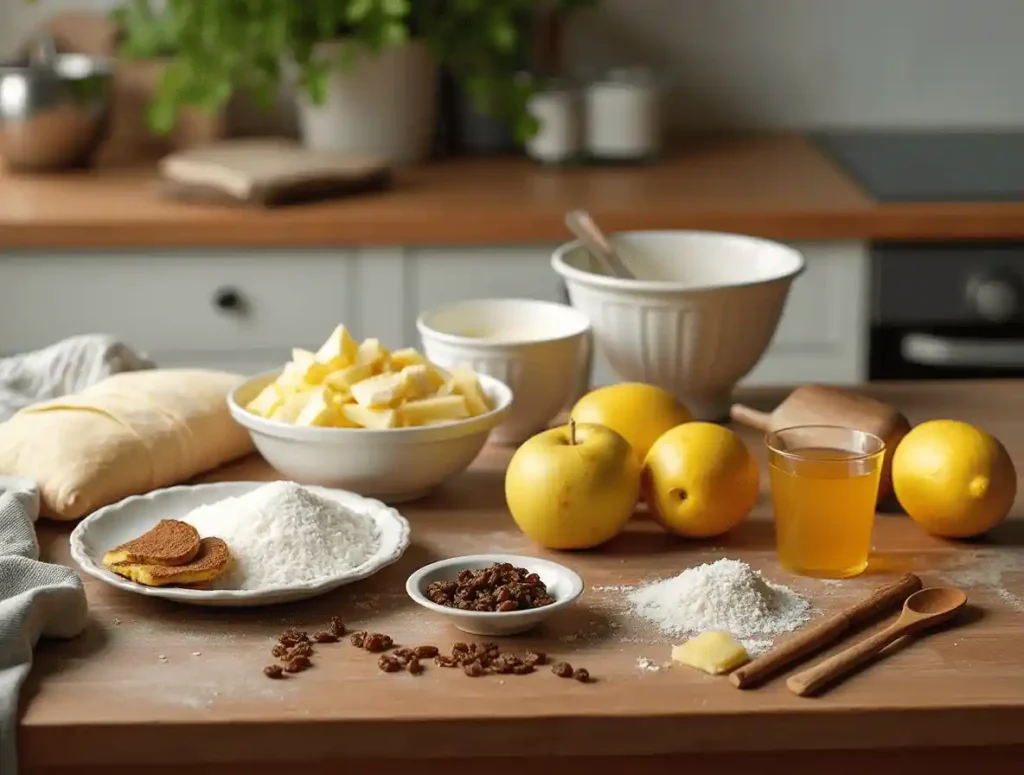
(931, 166)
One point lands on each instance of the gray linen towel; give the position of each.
(36, 599)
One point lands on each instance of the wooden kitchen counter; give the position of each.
(776, 186)
(155, 687)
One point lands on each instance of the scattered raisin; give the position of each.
(273, 671)
(337, 627)
(473, 669)
(502, 587)
(377, 641)
(581, 674)
(562, 669)
(293, 637)
(425, 652)
(536, 658)
(301, 649)
(523, 669)
(443, 661)
(298, 664)
(357, 639)
(278, 651)
(414, 666)
(325, 637)
(388, 663)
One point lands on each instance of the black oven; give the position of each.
(947, 310)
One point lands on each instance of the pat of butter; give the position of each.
(712, 652)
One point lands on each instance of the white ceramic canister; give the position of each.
(557, 108)
(623, 118)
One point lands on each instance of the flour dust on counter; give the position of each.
(283, 533)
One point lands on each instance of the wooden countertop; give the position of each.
(153, 685)
(776, 186)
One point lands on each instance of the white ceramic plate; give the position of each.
(120, 522)
(563, 585)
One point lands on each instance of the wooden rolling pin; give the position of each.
(821, 635)
(821, 405)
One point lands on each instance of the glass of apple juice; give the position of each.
(824, 485)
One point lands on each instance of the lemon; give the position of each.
(638, 412)
(700, 480)
(954, 480)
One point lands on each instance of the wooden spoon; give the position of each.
(922, 610)
(586, 231)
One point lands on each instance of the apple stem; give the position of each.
(572, 432)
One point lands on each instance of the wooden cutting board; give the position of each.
(267, 172)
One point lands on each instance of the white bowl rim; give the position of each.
(426, 330)
(288, 431)
(559, 264)
(413, 583)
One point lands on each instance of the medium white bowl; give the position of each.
(698, 317)
(394, 465)
(538, 348)
(563, 584)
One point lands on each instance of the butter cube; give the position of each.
(344, 379)
(290, 408)
(339, 350)
(408, 356)
(713, 652)
(428, 411)
(267, 401)
(374, 354)
(383, 390)
(377, 419)
(466, 384)
(418, 382)
(319, 409)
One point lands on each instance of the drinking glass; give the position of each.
(824, 484)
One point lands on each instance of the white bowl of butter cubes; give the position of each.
(359, 417)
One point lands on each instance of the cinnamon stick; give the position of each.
(817, 637)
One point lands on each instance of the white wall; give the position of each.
(791, 63)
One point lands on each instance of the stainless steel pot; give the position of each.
(53, 110)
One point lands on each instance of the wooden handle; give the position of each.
(752, 418)
(828, 670)
(816, 638)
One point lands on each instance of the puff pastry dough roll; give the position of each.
(129, 434)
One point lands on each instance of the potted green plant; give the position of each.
(365, 70)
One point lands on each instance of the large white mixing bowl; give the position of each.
(699, 315)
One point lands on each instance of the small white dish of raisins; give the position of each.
(495, 594)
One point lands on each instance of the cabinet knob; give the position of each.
(995, 298)
(229, 300)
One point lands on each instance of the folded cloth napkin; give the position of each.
(68, 366)
(36, 599)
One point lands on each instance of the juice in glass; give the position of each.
(824, 484)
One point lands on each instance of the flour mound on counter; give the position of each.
(283, 533)
(726, 595)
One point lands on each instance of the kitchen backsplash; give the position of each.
(788, 63)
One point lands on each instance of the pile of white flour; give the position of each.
(727, 596)
(282, 533)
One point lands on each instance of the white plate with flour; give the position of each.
(358, 518)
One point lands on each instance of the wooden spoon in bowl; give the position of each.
(586, 231)
(922, 610)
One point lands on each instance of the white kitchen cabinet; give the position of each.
(175, 304)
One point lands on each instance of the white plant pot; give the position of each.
(381, 105)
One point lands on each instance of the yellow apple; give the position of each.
(637, 411)
(700, 480)
(573, 487)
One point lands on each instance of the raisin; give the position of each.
(325, 637)
(443, 661)
(273, 671)
(358, 639)
(292, 637)
(562, 669)
(536, 658)
(508, 605)
(473, 669)
(337, 627)
(302, 649)
(298, 664)
(388, 664)
(523, 669)
(581, 674)
(425, 652)
(500, 588)
(377, 641)
(414, 666)
(278, 651)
